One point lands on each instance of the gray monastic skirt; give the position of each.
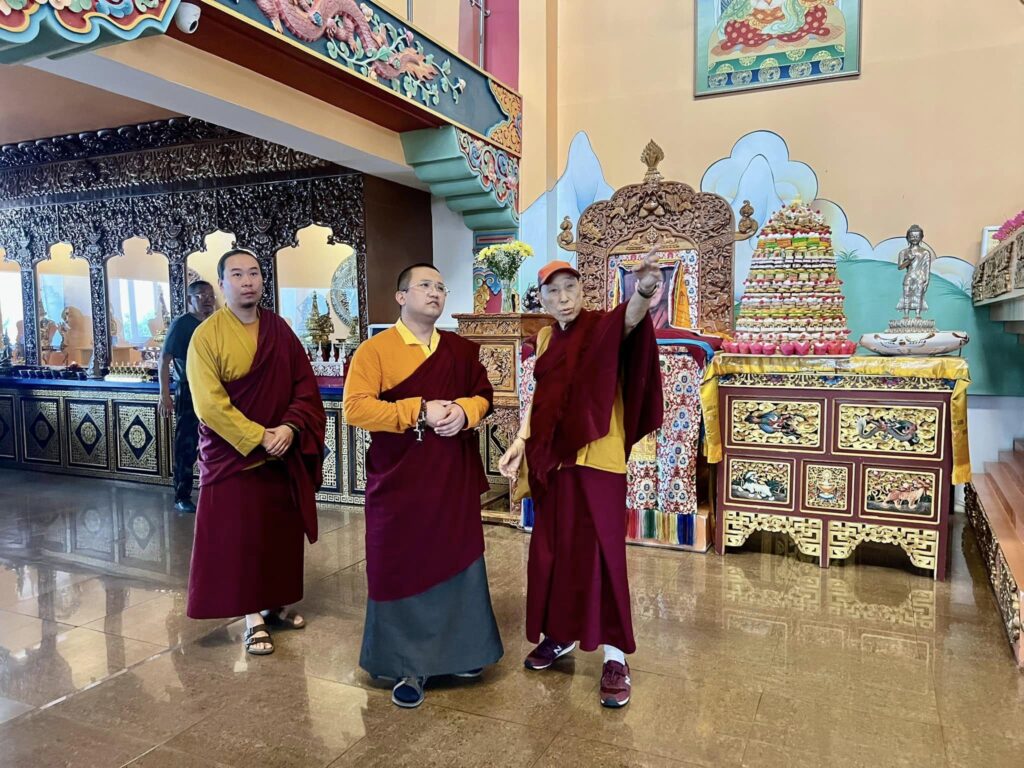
(447, 629)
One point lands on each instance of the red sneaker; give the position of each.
(615, 684)
(547, 653)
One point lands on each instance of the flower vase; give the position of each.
(508, 302)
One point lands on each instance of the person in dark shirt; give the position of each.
(201, 304)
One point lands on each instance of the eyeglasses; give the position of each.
(429, 285)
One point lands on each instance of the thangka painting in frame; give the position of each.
(745, 44)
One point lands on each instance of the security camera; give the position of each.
(186, 18)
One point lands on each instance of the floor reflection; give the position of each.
(758, 658)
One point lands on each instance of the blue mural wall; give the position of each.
(760, 169)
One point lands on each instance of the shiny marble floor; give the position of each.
(756, 659)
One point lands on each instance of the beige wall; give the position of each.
(438, 18)
(929, 132)
(538, 83)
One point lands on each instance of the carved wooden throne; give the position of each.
(612, 231)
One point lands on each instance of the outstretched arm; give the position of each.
(648, 278)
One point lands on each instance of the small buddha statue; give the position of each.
(917, 259)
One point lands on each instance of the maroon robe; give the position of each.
(423, 498)
(248, 550)
(577, 587)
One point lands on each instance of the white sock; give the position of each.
(611, 653)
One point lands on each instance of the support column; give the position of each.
(99, 365)
(30, 313)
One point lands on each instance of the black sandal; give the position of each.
(251, 640)
(274, 619)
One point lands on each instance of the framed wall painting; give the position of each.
(745, 44)
(988, 237)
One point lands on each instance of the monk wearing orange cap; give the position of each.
(598, 392)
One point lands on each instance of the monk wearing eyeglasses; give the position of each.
(421, 392)
(598, 392)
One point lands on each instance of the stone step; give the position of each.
(1004, 485)
(1018, 444)
(1015, 461)
(1010, 537)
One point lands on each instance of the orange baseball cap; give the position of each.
(552, 268)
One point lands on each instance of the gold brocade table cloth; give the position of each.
(896, 374)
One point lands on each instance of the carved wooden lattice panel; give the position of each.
(922, 546)
(806, 532)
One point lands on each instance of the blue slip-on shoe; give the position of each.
(408, 692)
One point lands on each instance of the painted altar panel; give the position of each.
(898, 494)
(776, 424)
(828, 487)
(875, 429)
(759, 483)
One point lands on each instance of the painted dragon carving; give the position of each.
(897, 429)
(347, 21)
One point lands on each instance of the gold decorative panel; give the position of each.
(41, 424)
(331, 479)
(778, 424)
(7, 449)
(805, 532)
(912, 430)
(137, 433)
(500, 361)
(495, 442)
(358, 445)
(87, 433)
(898, 492)
(921, 545)
(827, 487)
(760, 483)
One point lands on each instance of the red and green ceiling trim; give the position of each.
(476, 179)
(32, 29)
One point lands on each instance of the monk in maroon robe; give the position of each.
(260, 459)
(598, 392)
(421, 393)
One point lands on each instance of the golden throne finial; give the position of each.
(651, 156)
